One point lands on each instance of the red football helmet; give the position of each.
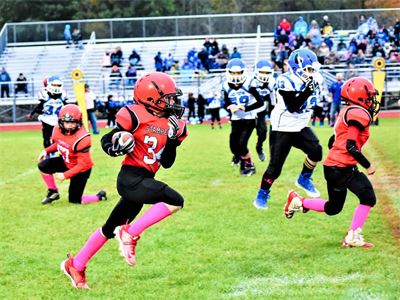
(360, 91)
(157, 91)
(70, 113)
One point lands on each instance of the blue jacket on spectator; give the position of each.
(335, 89)
(300, 27)
(4, 77)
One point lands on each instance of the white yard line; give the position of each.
(270, 285)
(19, 176)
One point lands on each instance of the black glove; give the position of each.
(173, 127)
(119, 147)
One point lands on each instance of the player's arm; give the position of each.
(351, 146)
(169, 154)
(126, 121)
(84, 161)
(295, 99)
(227, 101)
(259, 100)
(37, 110)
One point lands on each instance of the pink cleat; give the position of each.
(127, 244)
(293, 204)
(78, 278)
(354, 238)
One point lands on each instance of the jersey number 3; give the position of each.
(152, 142)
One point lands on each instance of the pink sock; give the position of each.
(49, 181)
(89, 199)
(360, 216)
(316, 204)
(92, 246)
(152, 216)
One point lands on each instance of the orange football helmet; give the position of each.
(70, 113)
(157, 91)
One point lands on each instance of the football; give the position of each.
(123, 141)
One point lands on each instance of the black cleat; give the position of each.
(102, 195)
(52, 195)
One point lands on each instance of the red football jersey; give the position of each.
(338, 155)
(150, 133)
(70, 147)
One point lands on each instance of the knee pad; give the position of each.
(315, 154)
(331, 209)
(172, 197)
(368, 197)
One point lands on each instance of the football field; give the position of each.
(218, 247)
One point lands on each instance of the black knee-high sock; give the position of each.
(308, 166)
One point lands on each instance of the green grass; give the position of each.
(217, 247)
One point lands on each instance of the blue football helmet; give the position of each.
(304, 63)
(54, 85)
(263, 70)
(236, 71)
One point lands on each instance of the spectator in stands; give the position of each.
(300, 27)
(334, 94)
(332, 59)
(106, 59)
(191, 105)
(186, 70)
(285, 25)
(134, 58)
(67, 35)
(323, 53)
(341, 45)
(363, 27)
(175, 68)
(362, 20)
(77, 38)
(5, 81)
(131, 76)
(223, 57)
(235, 53)
(90, 100)
(207, 44)
(22, 84)
(214, 48)
(394, 55)
(203, 57)
(115, 77)
(116, 57)
(314, 34)
(158, 62)
(327, 29)
(283, 37)
(362, 46)
(111, 110)
(359, 58)
(351, 71)
(277, 33)
(377, 51)
(168, 62)
(396, 32)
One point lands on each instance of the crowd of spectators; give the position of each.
(369, 41)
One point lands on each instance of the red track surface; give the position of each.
(102, 123)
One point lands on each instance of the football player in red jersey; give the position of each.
(340, 166)
(73, 142)
(157, 130)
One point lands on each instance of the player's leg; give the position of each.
(337, 181)
(247, 167)
(308, 142)
(47, 131)
(362, 188)
(218, 117)
(213, 117)
(261, 128)
(280, 144)
(234, 141)
(47, 168)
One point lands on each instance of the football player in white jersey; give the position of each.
(241, 99)
(264, 74)
(51, 99)
(296, 93)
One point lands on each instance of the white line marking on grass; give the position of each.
(19, 176)
(217, 182)
(270, 285)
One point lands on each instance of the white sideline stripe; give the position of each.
(19, 176)
(269, 285)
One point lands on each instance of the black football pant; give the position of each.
(261, 129)
(240, 135)
(77, 183)
(280, 144)
(339, 180)
(137, 187)
(215, 114)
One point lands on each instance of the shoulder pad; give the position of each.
(285, 83)
(83, 143)
(225, 86)
(124, 118)
(358, 114)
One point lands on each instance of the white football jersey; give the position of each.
(51, 107)
(281, 118)
(269, 90)
(243, 97)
